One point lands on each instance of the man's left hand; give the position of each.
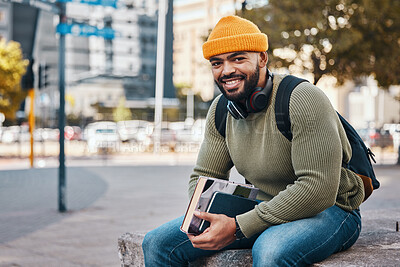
(220, 233)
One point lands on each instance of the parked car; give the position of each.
(394, 130)
(137, 131)
(101, 136)
(192, 134)
(380, 138)
(15, 133)
(72, 133)
(167, 139)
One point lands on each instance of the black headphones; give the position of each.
(257, 101)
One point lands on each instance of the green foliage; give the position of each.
(12, 68)
(122, 113)
(181, 90)
(348, 39)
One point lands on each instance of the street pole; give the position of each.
(398, 148)
(61, 117)
(159, 93)
(31, 119)
(190, 105)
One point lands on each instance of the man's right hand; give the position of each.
(220, 234)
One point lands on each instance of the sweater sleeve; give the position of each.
(316, 155)
(213, 159)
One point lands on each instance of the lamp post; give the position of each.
(159, 93)
(61, 118)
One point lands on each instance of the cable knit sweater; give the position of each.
(297, 179)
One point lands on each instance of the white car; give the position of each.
(102, 136)
(137, 131)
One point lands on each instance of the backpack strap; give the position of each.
(221, 111)
(282, 100)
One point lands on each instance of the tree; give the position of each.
(121, 112)
(12, 68)
(348, 39)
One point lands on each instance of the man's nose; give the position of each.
(228, 68)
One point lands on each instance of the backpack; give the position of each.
(360, 162)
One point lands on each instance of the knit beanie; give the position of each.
(232, 34)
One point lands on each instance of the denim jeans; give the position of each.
(297, 243)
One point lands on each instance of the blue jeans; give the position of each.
(297, 243)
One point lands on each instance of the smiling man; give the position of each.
(235, 73)
(308, 203)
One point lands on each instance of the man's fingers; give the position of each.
(204, 215)
(203, 238)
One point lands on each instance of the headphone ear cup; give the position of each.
(257, 101)
(236, 110)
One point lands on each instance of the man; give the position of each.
(308, 206)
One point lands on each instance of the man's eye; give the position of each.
(214, 64)
(238, 58)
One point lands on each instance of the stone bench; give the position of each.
(378, 245)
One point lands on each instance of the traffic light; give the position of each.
(28, 79)
(43, 75)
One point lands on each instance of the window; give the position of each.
(3, 16)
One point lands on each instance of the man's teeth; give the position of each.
(231, 82)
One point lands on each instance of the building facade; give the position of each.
(126, 63)
(193, 20)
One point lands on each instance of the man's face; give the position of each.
(236, 74)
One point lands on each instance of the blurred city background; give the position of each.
(118, 91)
(350, 49)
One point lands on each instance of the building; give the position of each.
(364, 106)
(5, 20)
(126, 64)
(193, 19)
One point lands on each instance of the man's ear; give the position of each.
(263, 59)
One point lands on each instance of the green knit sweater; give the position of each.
(297, 179)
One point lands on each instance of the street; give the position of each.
(105, 202)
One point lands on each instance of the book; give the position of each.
(230, 205)
(203, 192)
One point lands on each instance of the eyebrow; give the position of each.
(230, 56)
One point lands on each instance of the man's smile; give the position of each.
(231, 83)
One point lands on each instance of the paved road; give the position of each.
(105, 202)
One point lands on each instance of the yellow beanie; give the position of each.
(233, 33)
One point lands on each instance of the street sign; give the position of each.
(85, 30)
(111, 3)
(41, 4)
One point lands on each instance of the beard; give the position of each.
(250, 82)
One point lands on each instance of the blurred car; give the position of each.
(137, 131)
(10, 134)
(72, 133)
(15, 133)
(49, 134)
(192, 134)
(380, 138)
(394, 130)
(101, 136)
(183, 132)
(167, 138)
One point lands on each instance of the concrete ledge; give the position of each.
(378, 245)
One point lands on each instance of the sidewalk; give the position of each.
(134, 159)
(126, 195)
(103, 203)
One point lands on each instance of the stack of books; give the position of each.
(217, 196)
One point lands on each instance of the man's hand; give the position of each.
(220, 233)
